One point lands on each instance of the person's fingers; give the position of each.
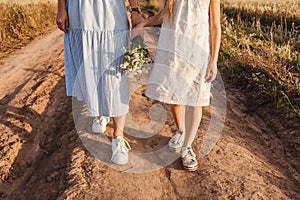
(63, 27)
(59, 23)
(136, 19)
(214, 76)
(137, 32)
(133, 25)
(134, 35)
(62, 24)
(208, 74)
(57, 20)
(211, 72)
(67, 25)
(209, 79)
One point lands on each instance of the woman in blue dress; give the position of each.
(95, 33)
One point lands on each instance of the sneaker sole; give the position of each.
(120, 163)
(191, 169)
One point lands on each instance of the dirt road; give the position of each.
(42, 156)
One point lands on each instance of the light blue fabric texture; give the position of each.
(98, 31)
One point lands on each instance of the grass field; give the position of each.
(27, 1)
(20, 23)
(261, 42)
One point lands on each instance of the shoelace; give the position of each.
(176, 138)
(99, 120)
(188, 154)
(122, 145)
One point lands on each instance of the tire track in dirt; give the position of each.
(42, 156)
(32, 112)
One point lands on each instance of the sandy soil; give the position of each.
(42, 156)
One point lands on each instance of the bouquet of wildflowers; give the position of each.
(137, 58)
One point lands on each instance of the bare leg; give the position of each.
(193, 116)
(119, 123)
(177, 114)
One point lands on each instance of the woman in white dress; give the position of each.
(185, 65)
(95, 33)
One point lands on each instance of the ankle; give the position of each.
(118, 133)
(118, 136)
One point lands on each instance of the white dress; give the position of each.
(182, 57)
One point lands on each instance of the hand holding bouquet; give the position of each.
(137, 58)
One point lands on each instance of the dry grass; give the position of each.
(23, 2)
(279, 8)
(261, 41)
(20, 23)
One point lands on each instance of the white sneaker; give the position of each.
(99, 125)
(120, 148)
(188, 158)
(176, 141)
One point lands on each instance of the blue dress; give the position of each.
(98, 30)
